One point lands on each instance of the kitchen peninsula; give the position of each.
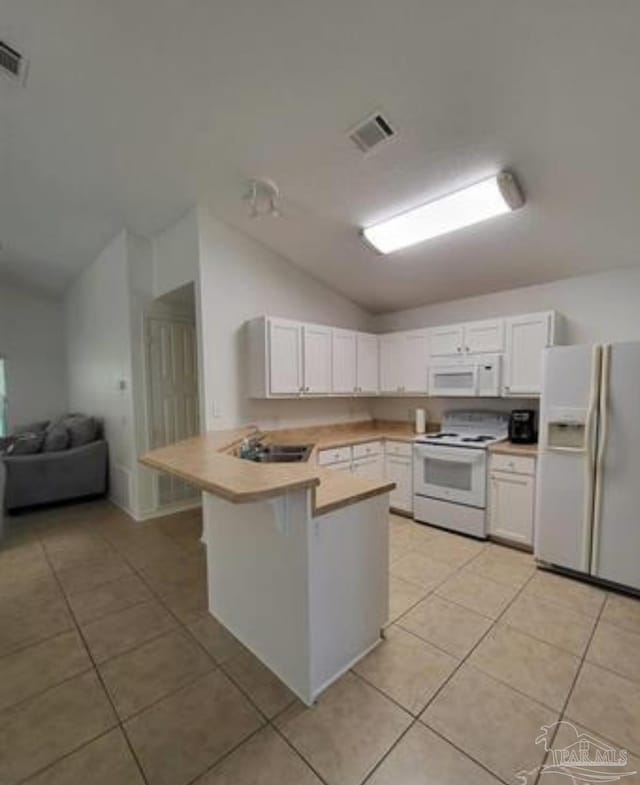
(297, 555)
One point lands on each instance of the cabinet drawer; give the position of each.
(515, 464)
(335, 455)
(367, 449)
(398, 448)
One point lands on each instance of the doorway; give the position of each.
(172, 385)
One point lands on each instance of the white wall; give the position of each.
(596, 308)
(32, 341)
(98, 332)
(176, 255)
(241, 279)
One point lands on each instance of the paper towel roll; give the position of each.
(421, 421)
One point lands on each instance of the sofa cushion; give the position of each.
(33, 427)
(56, 438)
(82, 430)
(26, 444)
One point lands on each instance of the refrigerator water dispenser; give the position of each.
(566, 429)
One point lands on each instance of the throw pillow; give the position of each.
(26, 444)
(33, 427)
(56, 438)
(82, 430)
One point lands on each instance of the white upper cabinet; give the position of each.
(344, 361)
(526, 336)
(317, 370)
(446, 341)
(485, 337)
(367, 363)
(285, 357)
(403, 362)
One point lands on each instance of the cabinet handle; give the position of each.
(459, 348)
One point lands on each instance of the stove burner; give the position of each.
(443, 435)
(480, 438)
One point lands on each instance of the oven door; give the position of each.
(453, 474)
(454, 380)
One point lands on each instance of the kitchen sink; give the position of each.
(279, 453)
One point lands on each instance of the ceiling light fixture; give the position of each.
(263, 197)
(496, 195)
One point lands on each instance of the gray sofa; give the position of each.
(46, 477)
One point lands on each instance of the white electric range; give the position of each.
(450, 471)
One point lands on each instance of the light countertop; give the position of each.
(208, 463)
(508, 448)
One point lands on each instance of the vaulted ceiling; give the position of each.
(134, 110)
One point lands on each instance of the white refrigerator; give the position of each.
(588, 485)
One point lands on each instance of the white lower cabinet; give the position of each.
(400, 471)
(369, 467)
(512, 498)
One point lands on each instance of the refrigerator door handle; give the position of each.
(590, 459)
(602, 444)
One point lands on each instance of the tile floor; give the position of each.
(113, 673)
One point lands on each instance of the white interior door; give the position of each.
(317, 359)
(172, 374)
(616, 536)
(344, 361)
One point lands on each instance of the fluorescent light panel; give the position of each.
(496, 195)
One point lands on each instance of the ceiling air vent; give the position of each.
(371, 133)
(12, 62)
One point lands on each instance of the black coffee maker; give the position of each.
(522, 426)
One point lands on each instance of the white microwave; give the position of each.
(468, 377)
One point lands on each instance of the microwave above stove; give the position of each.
(469, 377)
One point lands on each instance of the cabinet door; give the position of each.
(526, 337)
(511, 506)
(414, 356)
(341, 466)
(317, 359)
(483, 337)
(285, 357)
(446, 341)
(391, 362)
(369, 467)
(399, 470)
(367, 363)
(344, 361)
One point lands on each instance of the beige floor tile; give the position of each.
(37, 732)
(451, 548)
(400, 543)
(76, 548)
(36, 668)
(183, 735)
(399, 521)
(262, 686)
(504, 565)
(105, 761)
(493, 723)
(550, 622)
(476, 593)
(169, 572)
(402, 596)
(617, 649)
(21, 561)
(423, 758)
(266, 759)
(88, 575)
(622, 611)
(188, 601)
(32, 612)
(445, 624)
(347, 732)
(108, 598)
(576, 595)
(543, 672)
(407, 669)
(421, 570)
(216, 639)
(609, 704)
(142, 676)
(566, 736)
(118, 632)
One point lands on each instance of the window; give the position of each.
(3, 398)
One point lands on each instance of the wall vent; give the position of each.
(372, 132)
(12, 62)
